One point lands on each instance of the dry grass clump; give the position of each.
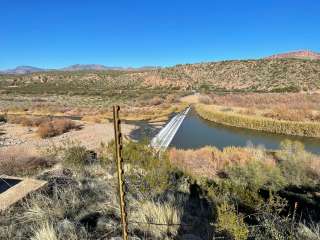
(56, 127)
(45, 232)
(211, 113)
(22, 162)
(163, 218)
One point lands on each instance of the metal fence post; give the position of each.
(118, 146)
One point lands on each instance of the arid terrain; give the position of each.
(56, 125)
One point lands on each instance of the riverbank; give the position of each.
(223, 116)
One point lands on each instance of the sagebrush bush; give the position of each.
(147, 170)
(230, 223)
(75, 156)
(256, 174)
(298, 166)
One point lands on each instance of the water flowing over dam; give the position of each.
(187, 130)
(163, 139)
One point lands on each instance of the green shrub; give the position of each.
(256, 174)
(295, 163)
(146, 170)
(75, 157)
(231, 223)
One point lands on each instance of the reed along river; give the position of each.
(196, 132)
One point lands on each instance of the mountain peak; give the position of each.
(301, 54)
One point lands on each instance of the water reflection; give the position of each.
(196, 132)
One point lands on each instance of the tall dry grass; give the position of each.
(44, 232)
(157, 218)
(268, 100)
(209, 112)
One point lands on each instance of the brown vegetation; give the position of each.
(208, 161)
(22, 162)
(56, 127)
(268, 100)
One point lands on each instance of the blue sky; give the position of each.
(56, 33)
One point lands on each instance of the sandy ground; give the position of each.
(19, 139)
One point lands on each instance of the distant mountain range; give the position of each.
(303, 54)
(76, 67)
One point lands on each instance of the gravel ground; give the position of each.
(19, 139)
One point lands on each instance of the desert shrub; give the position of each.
(145, 170)
(256, 174)
(273, 224)
(245, 181)
(230, 223)
(208, 161)
(56, 127)
(298, 166)
(75, 156)
(210, 113)
(68, 212)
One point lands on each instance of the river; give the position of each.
(196, 132)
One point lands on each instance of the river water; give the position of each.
(196, 132)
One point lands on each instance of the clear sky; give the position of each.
(56, 33)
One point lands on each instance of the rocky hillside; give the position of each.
(265, 75)
(304, 54)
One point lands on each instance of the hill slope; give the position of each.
(304, 54)
(267, 75)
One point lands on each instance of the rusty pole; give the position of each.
(118, 145)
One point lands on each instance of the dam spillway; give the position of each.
(163, 139)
